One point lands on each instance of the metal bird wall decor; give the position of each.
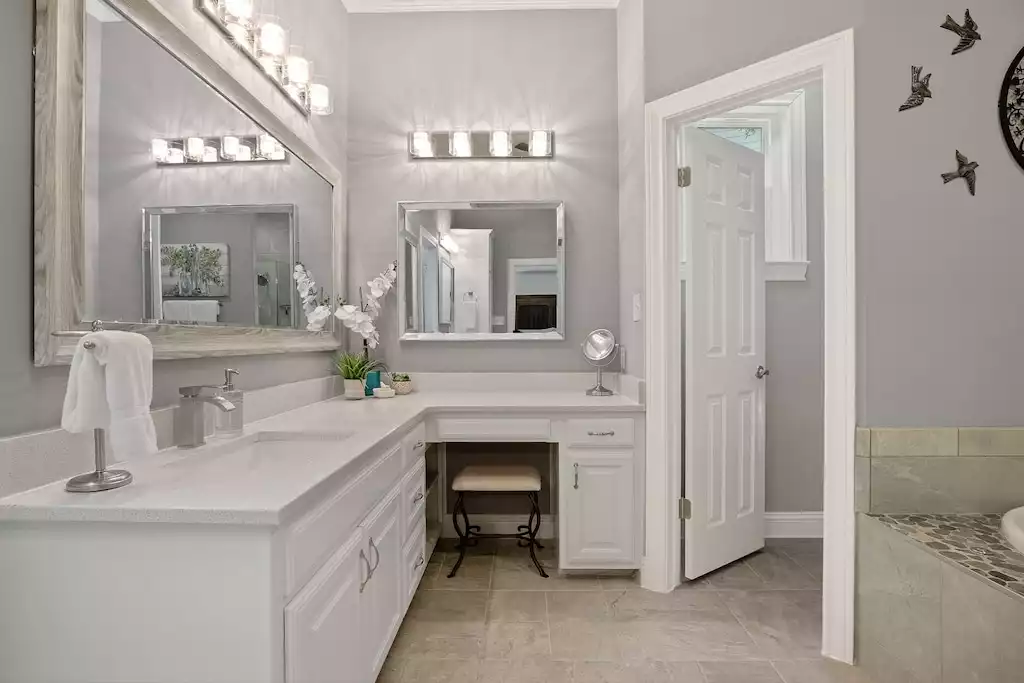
(968, 33)
(966, 170)
(919, 88)
(1011, 108)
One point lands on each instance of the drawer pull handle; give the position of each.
(418, 497)
(576, 475)
(369, 572)
(610, 432)
(420, 561)
(376, 563)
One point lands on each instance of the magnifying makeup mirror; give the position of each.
(600, 350)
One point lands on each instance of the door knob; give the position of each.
(762, 372)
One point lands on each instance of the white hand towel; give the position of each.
(111, 387)
(469, 315)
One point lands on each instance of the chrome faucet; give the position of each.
(189, 420)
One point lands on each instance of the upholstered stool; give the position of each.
(497, 479)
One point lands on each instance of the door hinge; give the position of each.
(685, 511)
(685, 176)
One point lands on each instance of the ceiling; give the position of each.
(378, 6)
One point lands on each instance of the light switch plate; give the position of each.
(638, 308)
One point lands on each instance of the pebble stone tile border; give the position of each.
(972, 541)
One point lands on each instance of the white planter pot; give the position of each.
(355, 389)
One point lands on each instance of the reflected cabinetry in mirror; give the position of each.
(482, 270)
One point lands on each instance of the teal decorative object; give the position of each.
(372, 381)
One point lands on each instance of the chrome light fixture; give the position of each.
(265, 42)
(493, 145)
(195, 150)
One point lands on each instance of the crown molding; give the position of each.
(387, 6)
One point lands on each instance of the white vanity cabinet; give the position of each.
(598, 511)
(382, 602)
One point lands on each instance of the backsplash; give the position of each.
(37, 458)
(941, 470)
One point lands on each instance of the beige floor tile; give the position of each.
(740, 672)
(735, 576)
(442, 605)
(428, 670)
(620, 582)
(590, 605)
(529, 671)
(517, 641)
(474, 574)
(819, 671)
(580, 639)
(637, 672)
(713, 635)
(517, 606)
(785, 624)
(779, 571)
(392, 670)
(637, 604)
(518, 573)
(439, 640)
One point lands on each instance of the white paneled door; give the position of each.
(724, 218)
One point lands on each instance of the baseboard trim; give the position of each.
(502, 524)
(794, 525)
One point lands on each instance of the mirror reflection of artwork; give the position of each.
(194, 270)
(492, 269)
(219, 238)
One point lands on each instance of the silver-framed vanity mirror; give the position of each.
(170, 200)
(482, 271)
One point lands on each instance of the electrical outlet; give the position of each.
(638, 308)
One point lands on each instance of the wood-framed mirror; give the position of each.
(139, 124)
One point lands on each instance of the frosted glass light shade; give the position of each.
(460, 144)
(229, 147)
(272, 65)
(540, 143)
(297, 68)
(210, 155)
(241, 34)
(195, 148)
(240, 9)
(501, 143)
(422, 145)
(266, 146)
(159, 149)
(271, 38)
(175, 156)
(244, 153)
(320, 102)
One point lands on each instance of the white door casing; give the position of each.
(724, 218)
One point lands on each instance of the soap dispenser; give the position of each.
(231, 423)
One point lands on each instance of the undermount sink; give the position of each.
(1013, 528)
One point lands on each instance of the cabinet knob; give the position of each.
(419, 445)
(418, 497)
(420, 561)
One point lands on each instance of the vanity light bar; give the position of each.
(264, 40)
(229, 149)
(498, 144)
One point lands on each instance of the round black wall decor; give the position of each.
(1011, 108)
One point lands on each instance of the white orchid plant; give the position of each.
(359, 319)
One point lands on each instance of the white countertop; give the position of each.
(259, 478)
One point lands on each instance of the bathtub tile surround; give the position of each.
(930, 614)
(942, 470)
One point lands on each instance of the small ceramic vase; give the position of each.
(402, 388)
(354, 389)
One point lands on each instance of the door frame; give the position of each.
(830, 60)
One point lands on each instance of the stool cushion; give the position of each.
(497, 478)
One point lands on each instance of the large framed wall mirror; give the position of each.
(482, 270)
(162, 207)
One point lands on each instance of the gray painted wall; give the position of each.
(551, 69)
(31, 398)
(939, 332)
(794, 346)
(146, 93)
(632, 169)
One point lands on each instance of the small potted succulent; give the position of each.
(353, 368)
(401, 383)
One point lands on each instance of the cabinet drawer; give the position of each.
(600, 432)
(513, 429)
(414, 496)
(415, 444)
(415, 562)
(310, 541)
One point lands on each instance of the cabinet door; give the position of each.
(381, 605)
(322, 630)
(597, 510)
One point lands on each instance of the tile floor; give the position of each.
(755, 621)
